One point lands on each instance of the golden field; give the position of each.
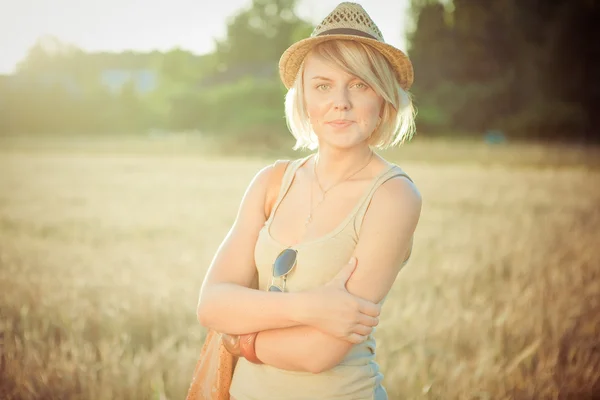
(104, 244)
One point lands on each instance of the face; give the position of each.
(343, 109)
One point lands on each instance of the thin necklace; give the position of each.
(312, 209)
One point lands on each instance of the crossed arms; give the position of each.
(312, 330)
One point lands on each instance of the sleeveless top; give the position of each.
(357, 376)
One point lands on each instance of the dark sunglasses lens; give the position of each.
(274, 289)
(284, 262)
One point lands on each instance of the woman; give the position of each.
(339, 232)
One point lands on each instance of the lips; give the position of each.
(340, 123)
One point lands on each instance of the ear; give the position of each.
(382, 109)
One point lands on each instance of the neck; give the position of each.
(334, 165)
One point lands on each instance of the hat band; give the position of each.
(347, 31)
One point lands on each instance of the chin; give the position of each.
(344, 142)
(342, 138)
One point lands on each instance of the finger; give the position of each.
(367, 320)
(368, 308)
(356, 338)
(345, 273)
(362, 330)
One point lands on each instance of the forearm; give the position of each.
(300, 348)
(234, 309)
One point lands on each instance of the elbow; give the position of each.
(203, 313)
(317, 365)
(321, 361)
(314, 368)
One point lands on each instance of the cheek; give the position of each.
(315, 109)
(370, 110)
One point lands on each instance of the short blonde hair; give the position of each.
(398, 118)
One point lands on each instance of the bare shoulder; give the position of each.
(398, 193)
(263, 175)
(267, 172)
(394, 208)
(251, 209)
(261, 179)
(261, 190)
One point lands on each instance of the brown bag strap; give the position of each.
(277, 172)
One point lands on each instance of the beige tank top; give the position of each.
(357, 376)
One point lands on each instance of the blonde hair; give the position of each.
(398, 117)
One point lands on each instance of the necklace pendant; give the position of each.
(308, 219)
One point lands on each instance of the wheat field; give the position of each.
(104, 245)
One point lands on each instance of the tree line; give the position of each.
(526, 68)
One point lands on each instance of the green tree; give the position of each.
(521, 65)
(260, 33)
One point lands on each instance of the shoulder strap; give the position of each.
(366, 201)
(277, 172)
(360, 215)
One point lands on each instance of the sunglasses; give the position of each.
(283, 265)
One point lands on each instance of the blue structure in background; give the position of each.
(494, 137)
(144, 80)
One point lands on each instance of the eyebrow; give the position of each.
(321, 77)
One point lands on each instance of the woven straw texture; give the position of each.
(347, 16)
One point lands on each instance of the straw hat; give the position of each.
(348, 21)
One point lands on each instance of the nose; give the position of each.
(341, 101)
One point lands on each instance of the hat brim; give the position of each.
(293, 57)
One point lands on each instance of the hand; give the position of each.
(339, 313)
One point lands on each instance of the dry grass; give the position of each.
(104, 244)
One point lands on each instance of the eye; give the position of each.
(322, 86)
(361, 85)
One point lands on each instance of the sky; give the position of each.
(145, 25)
